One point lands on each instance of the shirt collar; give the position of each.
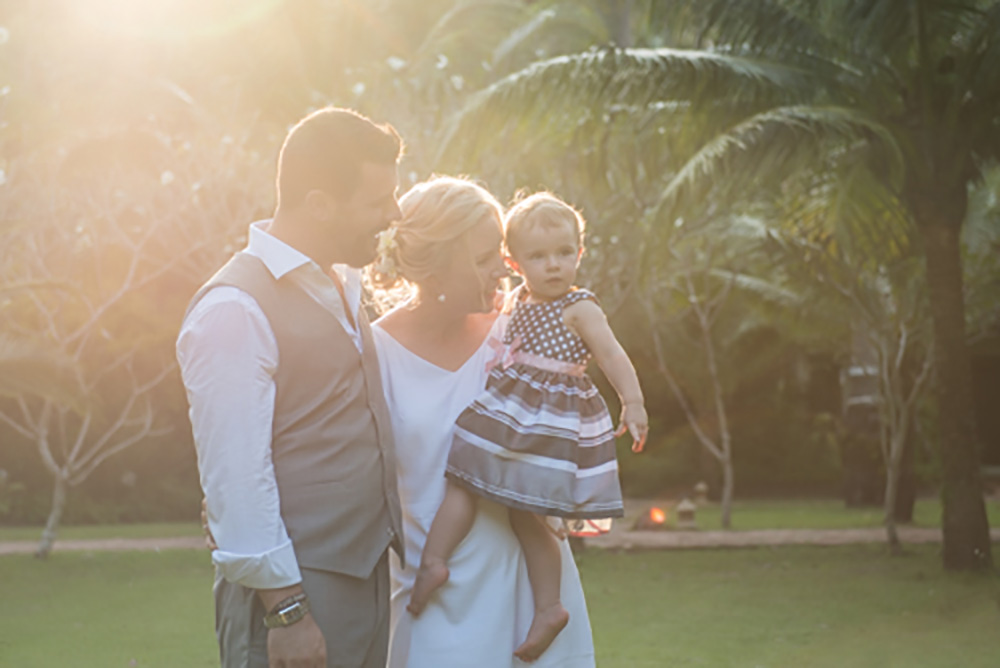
(277, 256)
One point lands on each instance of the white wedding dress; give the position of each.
(483, 612)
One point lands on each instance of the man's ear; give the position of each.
(319, 204)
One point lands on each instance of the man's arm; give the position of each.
(228, 355)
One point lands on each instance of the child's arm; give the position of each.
(587, 319)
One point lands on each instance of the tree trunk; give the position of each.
(966, 530)
(621, 23)
(906, 493)
(728, 484)
(55, 515)
(892, 472)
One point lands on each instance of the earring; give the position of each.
(441, 298)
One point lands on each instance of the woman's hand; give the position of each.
(636, 422)
(209, 538)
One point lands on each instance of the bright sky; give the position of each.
(170, 19)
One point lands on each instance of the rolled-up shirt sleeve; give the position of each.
(228, 355)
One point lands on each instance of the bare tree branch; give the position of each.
(19, 428)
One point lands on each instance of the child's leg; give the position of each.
(451, 524)
(544, 561)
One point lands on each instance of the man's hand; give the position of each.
(300, 645)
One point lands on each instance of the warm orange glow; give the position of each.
(171, 19)
(657, 515)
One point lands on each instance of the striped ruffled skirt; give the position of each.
(541, 441)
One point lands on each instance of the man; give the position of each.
(290, 424)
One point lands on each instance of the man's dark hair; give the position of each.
(325, 151)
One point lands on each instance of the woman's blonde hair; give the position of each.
(540, 209)
(436, 214)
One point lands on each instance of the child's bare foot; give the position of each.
(429, 578)
(544, 628)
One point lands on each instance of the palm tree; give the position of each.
(893, 94)
(928, 72)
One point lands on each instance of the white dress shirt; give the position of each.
(228, 356)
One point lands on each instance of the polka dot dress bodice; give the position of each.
(542, 330)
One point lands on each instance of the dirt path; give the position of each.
(616, 540)
(108, 545)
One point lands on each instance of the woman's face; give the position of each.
(472, 275)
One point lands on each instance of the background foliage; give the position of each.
(162, 121)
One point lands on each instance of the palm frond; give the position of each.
(878, 26)
(555, 92)
(465, 26)
(764, 26)
(759, 287)
(560, 29)
(981, 78)
(981, 233)
(519, 36)
(869, 221)
(772, 144)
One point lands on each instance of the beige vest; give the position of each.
(332, 440)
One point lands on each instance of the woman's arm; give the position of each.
(587, 320)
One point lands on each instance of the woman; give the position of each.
(434, 351)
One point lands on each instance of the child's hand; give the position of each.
(635, 420)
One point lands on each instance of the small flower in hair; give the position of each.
(385, 262)
(387, 243)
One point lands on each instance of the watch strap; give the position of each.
(287, 611)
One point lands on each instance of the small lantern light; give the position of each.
(654, 518)
(685, 514)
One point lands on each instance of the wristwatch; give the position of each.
(287, 612)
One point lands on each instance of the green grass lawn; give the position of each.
(794, 607)
(790, 607)
(752, 514)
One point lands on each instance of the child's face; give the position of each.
(547, 257)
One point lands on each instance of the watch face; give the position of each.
(287, 615)
(294, 610)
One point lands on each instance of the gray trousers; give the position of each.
(352, 613)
